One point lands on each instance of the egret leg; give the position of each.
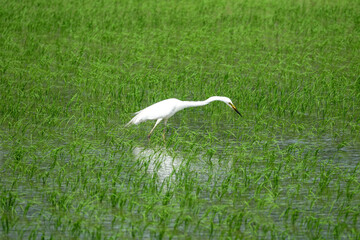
(157, 122)
(165, 122)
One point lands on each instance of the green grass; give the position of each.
(72, 73)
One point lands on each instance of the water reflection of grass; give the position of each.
(72, 73)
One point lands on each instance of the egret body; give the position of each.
(165, 109)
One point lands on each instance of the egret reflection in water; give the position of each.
(160, 162)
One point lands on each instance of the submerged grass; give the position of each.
(73, 72)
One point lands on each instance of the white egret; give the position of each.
(165, 109)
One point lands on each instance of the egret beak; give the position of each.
(233, 107)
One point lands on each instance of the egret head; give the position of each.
(228, 102)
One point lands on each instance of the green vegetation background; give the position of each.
(72, 72)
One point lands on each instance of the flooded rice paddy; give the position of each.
(72, 73)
